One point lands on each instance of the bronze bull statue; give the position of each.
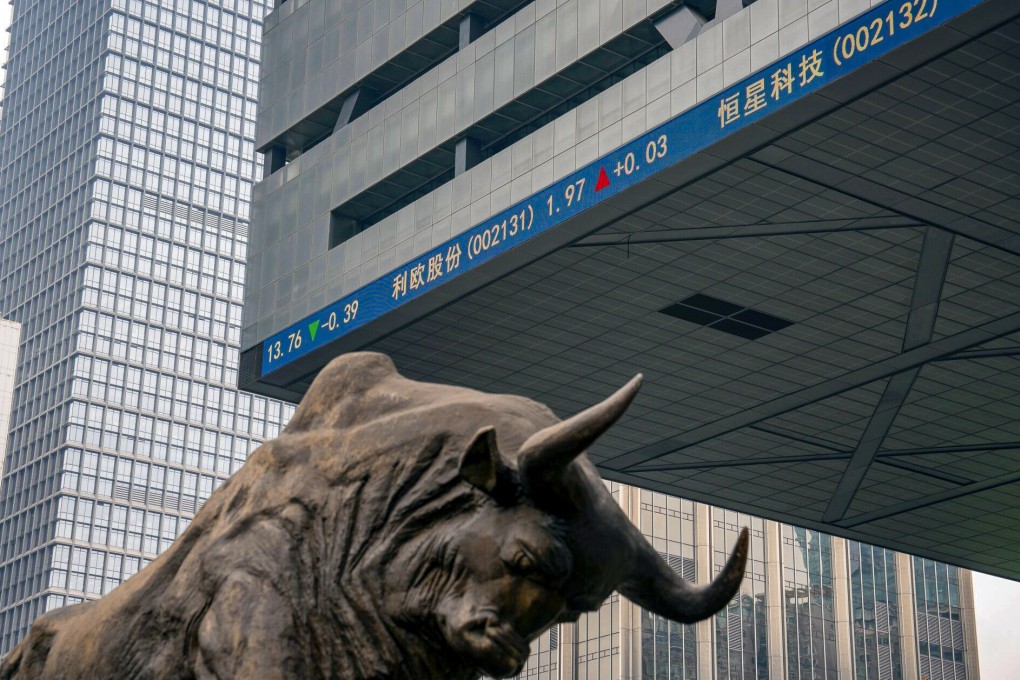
(395, 530)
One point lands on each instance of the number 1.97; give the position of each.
(572, 194)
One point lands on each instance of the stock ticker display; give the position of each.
(822, 61)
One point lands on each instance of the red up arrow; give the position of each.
(603, 180)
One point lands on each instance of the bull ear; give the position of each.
(480, 465)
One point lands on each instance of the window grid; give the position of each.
(130, 173)
(875, 613)
(809, 604)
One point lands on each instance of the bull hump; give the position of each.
(364, 387)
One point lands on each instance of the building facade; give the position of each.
(431, 171)
(812, 606)
(10, 334)
(760, 205)
(126, 166)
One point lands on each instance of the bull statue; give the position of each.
(396, 530)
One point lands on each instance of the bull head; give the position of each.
(555, 544)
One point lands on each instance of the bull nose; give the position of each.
(510, 644)
(481, 622)
(518, 668)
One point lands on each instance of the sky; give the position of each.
(996, 600)
(997, 609)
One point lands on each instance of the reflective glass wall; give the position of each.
(668, 649)
(741, 629)
(940, 620)
(874, 606)
(811, 607)
(126, 168)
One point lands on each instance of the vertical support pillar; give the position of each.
(630, 613)
(775, 601)
(680, 26)
(274, 158)
(908, 615)
(355, 104)
(467, 154)
(967, 618)
(630, 640)
(841, 604)
(568, 651)
(470, 29)
(341, 229)
(704, 630)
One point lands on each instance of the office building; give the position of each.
(812, 606)
(126, 166)
(10, 334)
(798, 218)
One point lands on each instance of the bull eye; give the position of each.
(523, 563)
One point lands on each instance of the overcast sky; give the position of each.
(997, 608)
(996, 601)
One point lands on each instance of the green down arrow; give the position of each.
(313, 328)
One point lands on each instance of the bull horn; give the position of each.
(551, 449)
(653, 585)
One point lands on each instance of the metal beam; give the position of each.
(745, 231)
(893, 398)
(807, 458)
(802, 438)
(768, 460)
(931, 277)
(916, 208)
(882, 456)
(963, 448)
(927, 501)
(972, 354)
(924, 306)
(881, 369)
(928, 472)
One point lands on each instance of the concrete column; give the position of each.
(630, 640)
(841, 604)
(568, 651)
(471, 26)
(908, 614)
(274, 158)
(342, 229)
(354, 106)
(704, 630)
(775, 601)
(970, 642)
(681, 26)
(466, 154)
(630, 614)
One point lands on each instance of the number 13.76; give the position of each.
(275, 350)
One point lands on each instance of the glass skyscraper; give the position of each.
(811, 607)
(126, 169)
